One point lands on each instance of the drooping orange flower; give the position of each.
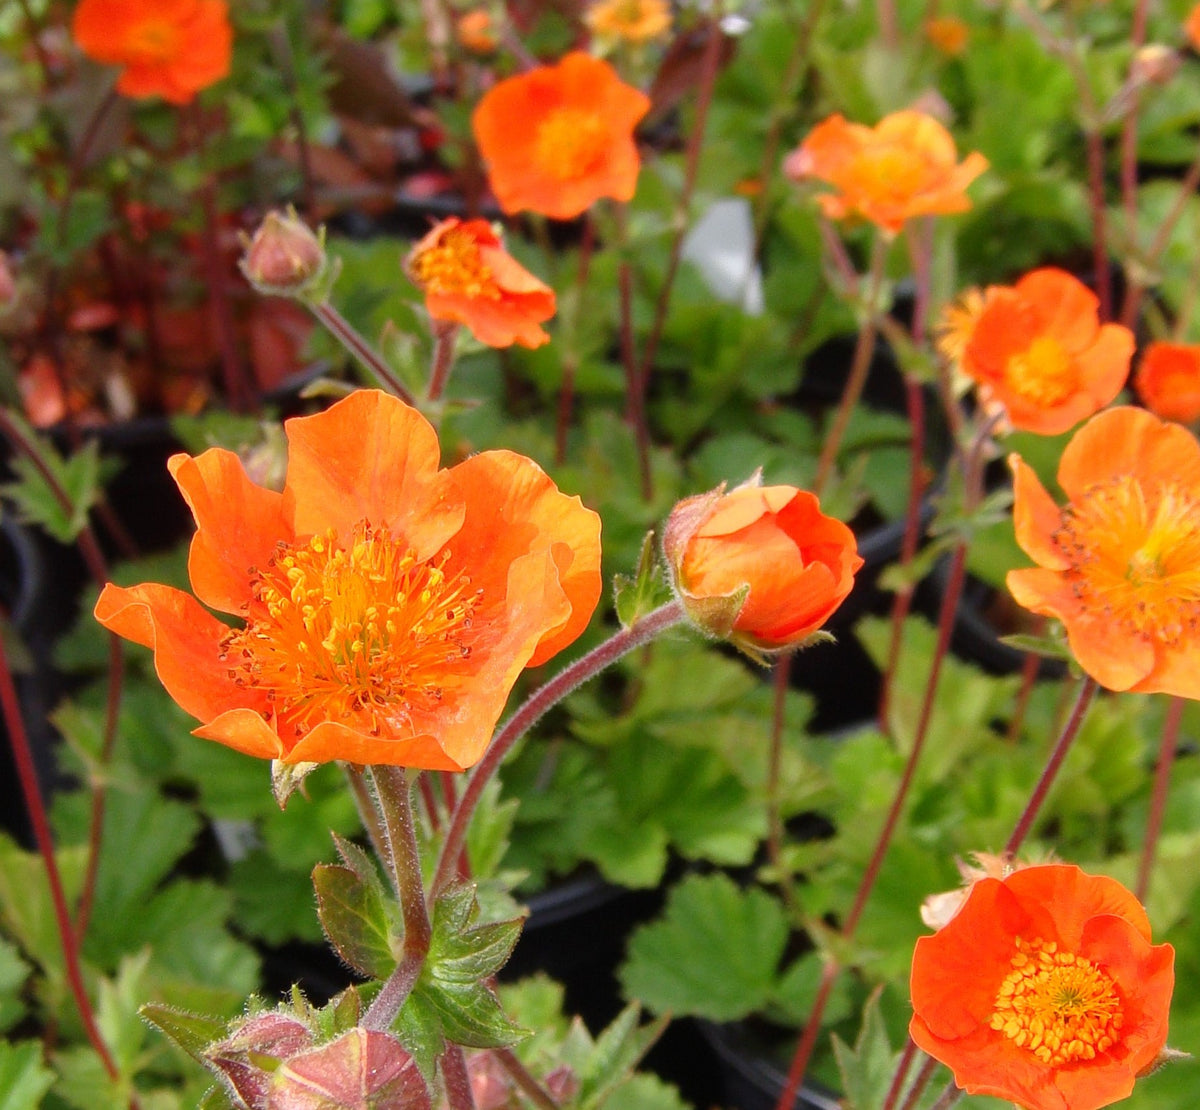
(1119, 564)
(759, 565)
(560, 137)
(633, 21)
(467, 276)
(1038, 348)
(1168, 381)
(905, 166)
(167, 48)
(1044, 990)
(386, 606)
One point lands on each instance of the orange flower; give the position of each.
(1168, 381)
(475, 32)
(168, 48)
(903, 167)
(1191, 28)
(467, 276)
(388, 606)
(1119, 565)
(948, 34)
(628, 20)
(1039, 349)
(1044, 990)
(760, 565)
(560, 137)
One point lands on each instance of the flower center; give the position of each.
(1136, 554)
(154, 40)
(454, 267)
(1059, 1006)
(1043, 373)
(362, 633)
(571, 143)
(889, 171)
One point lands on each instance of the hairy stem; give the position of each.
(1158, 800)
(345, 333)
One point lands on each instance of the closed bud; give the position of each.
(284, 256)
(760, 566)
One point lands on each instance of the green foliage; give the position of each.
(77, 479)
(357, 914)
(23, 1077)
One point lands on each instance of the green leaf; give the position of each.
(191, 1032)
(645, 591)
(13, 973)
(24, 1079)
(273, 903)
(117, 1012)
(78, 478)
(714, 953)
(355, 919)
(644, 1092)
(617, 1052)
(451, 1000)
(26, 907)
(867, 1071)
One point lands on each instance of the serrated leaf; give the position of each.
(78, 478)
(867, 1071)
(618, 1051)
(355, 920)
(117, 1012)
(644, 1092)
(714, 953)
(191, 1032)
(24, 1079)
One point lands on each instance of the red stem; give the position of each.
(808, 1038)
(27, 775)
(920, 1083)
(1026, 820)
(902, 1069)
(538, 703)
(1158, 800)
(1095, 164)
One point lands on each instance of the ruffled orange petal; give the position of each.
(369, 457)
(513, 508)
(1126, 440)
(244, 731)
(238, 524)
(1076, 897)
(1068, 308)
(1035, 517)
(330, 740)
(185, 639)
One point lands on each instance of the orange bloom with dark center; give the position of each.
(905, 166)
(167, 48)
(386, 607)
(1039, 349)
(467, 276)
(1044, 990)
(1168, 381)
(1119, 564)
(560, 137)
(760, 565)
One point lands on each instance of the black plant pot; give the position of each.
(576, 934)
(752, 1080)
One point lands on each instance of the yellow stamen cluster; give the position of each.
(1136, 552)
(359, 631)
(1043, 373)
(454, 266)
(631, 20)
(571, 143)
(1059, 1006)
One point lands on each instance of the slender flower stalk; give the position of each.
(520, 1074)
(444, 335)
(540, 702)
(898, 1080)
(1158, 800)
(365, 804)
(1061, 747)
(949, 1096)
(920, 1083)
(393, 795)
(456, 1078)
(68, 939)
(781, 675)
(864, 349)
(345, 333)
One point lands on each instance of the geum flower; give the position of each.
(560, 137)
(906, 166)
(386, 606)
(468, 277)
(760, 565)
(1119, 564)
(1044, 990)
(1168, 381)
(167, 48)
(1038, 348)
(634, 21)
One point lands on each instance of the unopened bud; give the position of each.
(284, 257)
(1155, 64)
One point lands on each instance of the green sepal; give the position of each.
(191, 1032)
(645, 591)
(286, 779)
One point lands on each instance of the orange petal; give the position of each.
(238, 524)
(1075, 897)
(514, 508)
(243, 730)
(369, 457)
(1068, 308)
(330, 740)
(185, 639)
(1036, 517)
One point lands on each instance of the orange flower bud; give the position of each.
(761, 565)
(284, 256)
(476, 32)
